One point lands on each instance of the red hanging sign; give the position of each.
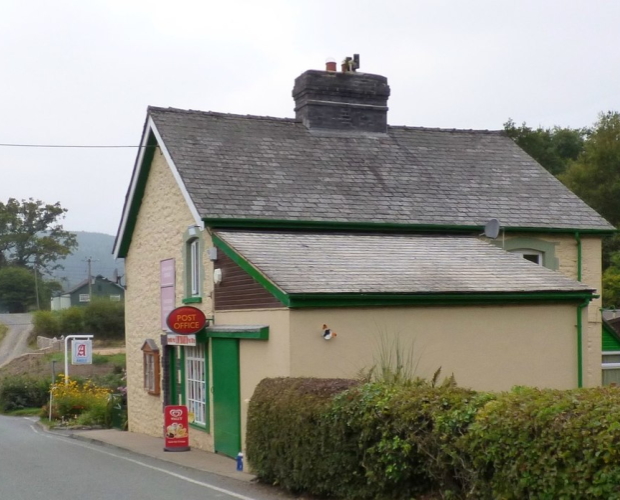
(186, 320)
(176, 428)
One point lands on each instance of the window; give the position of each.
(194, 267)
(84, 297)
(150, 354)
(611, 367)
(534, 256)
(115, 298)
(195, 383)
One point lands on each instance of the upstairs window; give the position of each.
(194, 267)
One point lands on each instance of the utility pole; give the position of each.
(90, 260)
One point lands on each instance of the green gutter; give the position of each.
(376, 226)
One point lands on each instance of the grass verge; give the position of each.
(3, 330)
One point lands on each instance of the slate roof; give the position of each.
(414, 264)
(246, 167)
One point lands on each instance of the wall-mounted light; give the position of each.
(217, 276)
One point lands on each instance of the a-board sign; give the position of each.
(176, 428)
(186, 320)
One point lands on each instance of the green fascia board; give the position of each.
(217, 223)
(251, 270)
(143, 171)
(438, 299)
(242, 332)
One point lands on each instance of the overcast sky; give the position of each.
(76, 72)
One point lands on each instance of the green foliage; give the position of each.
(31, 235)
(18, 392)
(46, 323)
(554, 148)
(533, 443)
(71, 320)
(17, 289)
(404, 440)
(74, 400)
(105, 318)
(3, 330)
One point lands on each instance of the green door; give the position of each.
(226, 397)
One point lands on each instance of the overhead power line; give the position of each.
(69, 146)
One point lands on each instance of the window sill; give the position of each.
(199, 427)
(192, 300)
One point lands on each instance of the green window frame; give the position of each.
(193, 275)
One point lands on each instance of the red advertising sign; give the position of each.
(186, 320)
(176, 428)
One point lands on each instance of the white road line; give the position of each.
(158, 469)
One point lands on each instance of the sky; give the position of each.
(82, 73)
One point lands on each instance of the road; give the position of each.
(36, 464)
(15, 342)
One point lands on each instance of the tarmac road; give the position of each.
(15, 342)
(39, 465)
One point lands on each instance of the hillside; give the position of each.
(98, 247)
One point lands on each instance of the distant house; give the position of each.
(79, 295)
(286, 232)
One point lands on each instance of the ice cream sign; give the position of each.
(186, 320)
(176, 428)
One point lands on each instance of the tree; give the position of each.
(31, 235)
(554, 148)
(18, 289)
(595, 175)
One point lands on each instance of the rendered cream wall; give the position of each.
(591, 274)
(158, 235)
(259, 359)
(487, 348)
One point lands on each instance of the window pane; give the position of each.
(196, 386)
(611, 377)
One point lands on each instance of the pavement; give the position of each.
(154, 447)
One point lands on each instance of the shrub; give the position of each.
(71, 320)
(105, 318)
(17, 392)
(46, 323)
(532, 443)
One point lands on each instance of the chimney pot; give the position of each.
(330, 65)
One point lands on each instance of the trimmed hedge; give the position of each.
(383, 440)
(18, 392)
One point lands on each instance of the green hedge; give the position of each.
(19, 392)
(380, 440)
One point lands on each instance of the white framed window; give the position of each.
(611, 368)
(84, 297)
(534, 256)
(194, 267)
(115, 298)
(195, 383)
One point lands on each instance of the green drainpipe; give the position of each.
(580, 309)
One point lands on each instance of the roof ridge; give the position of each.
(220, 114)
(456, 130)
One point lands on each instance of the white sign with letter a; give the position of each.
(82, 352)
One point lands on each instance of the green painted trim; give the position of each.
(172, 373)
(192, 233)
(378, 226)
(251, 270)
(260, 333)
(547, 248)
(368, 300)
(579, 264)
(611, 339)
(192, 300)
(143, 171)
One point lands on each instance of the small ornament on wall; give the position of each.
(328, 333)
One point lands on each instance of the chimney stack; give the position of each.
(347, 101)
